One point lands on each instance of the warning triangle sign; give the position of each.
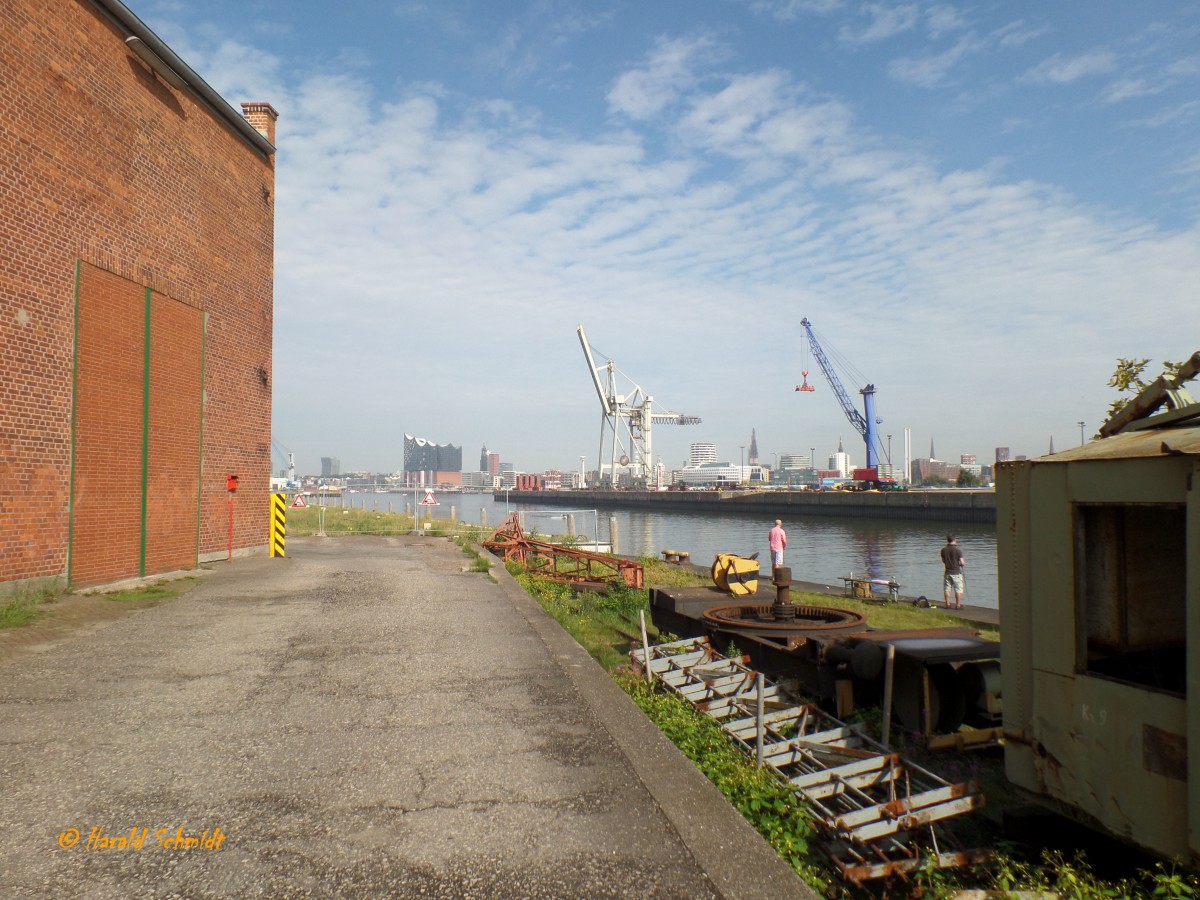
(299, 502)
(429, 501)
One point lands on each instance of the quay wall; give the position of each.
(929, 506)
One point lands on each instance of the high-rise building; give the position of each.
(840, 461)
(331, 467)
(790, 461)
(702, 453)
(967, 459)
(493, 464)
(483, 459)
(421, 455)
(1003, 454)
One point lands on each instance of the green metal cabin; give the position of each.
(1099, 584)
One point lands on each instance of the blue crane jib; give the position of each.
(864, 423)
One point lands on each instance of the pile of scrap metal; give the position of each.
(562, 563)
(880, 815)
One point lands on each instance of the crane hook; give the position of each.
(805, 386)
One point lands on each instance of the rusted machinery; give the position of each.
(880, 814)
(562, 563)
(941, 679)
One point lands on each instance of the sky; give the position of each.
(980, 207)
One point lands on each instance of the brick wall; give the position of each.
(107, 170)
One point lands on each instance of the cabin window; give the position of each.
(1131, 577)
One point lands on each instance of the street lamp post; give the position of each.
(1081, 441)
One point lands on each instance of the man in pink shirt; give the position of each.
(778, 541)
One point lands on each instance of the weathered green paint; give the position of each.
(1106, 750)
(74, 420)
(200, 452)
(145, 435)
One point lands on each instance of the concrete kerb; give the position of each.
(735, 857)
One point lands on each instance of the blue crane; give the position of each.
(864, 423)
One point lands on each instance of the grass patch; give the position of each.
(158, 591)
(337, 521)
(479, 562)
(602, 622)
(893, 616)
(26, 605)
(307, 521)
(763, 800)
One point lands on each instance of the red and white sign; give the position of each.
(429, 501)
(299, 502)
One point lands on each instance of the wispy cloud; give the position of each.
(1018, 33)
(1171, 115)
(424, 218)
(931, 70)
(645, 91)
(882, 22)
(1126, 88)
(941, 20)
(790, 10)
(1059, 69)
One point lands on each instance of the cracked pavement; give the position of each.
(361, 718)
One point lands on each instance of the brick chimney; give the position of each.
(261, 117)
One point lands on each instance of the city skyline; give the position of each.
(770, 460)
(980, 208)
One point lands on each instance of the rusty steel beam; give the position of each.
(559, 563)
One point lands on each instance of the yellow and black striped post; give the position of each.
(278, 523)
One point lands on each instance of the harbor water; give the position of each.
(821, 549)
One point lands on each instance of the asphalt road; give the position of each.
(362, 718)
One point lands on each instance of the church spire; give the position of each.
(753, 458)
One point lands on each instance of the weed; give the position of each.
(766, 803)
(24, 605)
(601, 623)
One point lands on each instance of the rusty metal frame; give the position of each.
(559, 563)
(880, 814)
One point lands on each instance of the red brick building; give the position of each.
(136, 239)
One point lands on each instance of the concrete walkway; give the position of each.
(363, 718)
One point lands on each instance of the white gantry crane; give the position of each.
(627, 422)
